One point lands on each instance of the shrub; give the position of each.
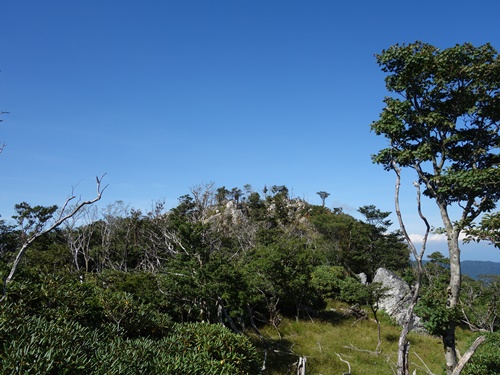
(432, 309)
(34, 345)
(327, 280)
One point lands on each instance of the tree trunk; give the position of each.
(403, 343)
(403, 350)
(452, 233)
(450, 353)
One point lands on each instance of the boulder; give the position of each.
(362, 278)
(397, 297)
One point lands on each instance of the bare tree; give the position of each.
(204, 200)
(79, 232)
(115, 236)
(37, 228)
(403, 343)
(160, 242)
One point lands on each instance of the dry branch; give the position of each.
(467, 355)
(348, 364)
(63, 216)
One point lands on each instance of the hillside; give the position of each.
(332, 339)
(191, 279)
(475, 268)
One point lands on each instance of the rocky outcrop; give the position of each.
(397, 297)
(363, 279)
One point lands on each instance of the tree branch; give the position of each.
(343, 360)
(61, 219)
(467, 355)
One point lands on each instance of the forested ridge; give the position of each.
(117, 283)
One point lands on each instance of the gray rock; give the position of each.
(362, 278)
(397, 297)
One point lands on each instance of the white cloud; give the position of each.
(433, 238)
(419, 238)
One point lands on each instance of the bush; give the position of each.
(327, 280)
(34, 345)
(432, 308)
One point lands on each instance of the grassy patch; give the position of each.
(325, 337)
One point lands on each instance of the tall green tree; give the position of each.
(443, 122)
(381, 248)
(360, 246)
(323, 195)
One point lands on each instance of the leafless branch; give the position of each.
(403, 344)
(343, 360)
(467, 355)
(428, 370)
(63, 216)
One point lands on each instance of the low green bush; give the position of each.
(327, 280)
(35, 345)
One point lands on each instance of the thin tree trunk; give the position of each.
(449, 342)
(403, 343)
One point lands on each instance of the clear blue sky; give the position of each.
(165, 95)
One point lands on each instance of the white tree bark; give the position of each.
(64, 215)
(403, 343)
(467, 355)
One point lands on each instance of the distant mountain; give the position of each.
(475, 268)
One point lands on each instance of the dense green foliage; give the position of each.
(125, 282)
(171, 291)
(35, 345)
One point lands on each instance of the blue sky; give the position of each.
(165, 95)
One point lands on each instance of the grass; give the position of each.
(331, 334)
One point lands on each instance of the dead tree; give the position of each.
(467, 355)
(65, 213)
(79, 237)
(403, 343)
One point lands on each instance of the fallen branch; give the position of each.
(427, 368)
(348, 364)
(352, 347)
